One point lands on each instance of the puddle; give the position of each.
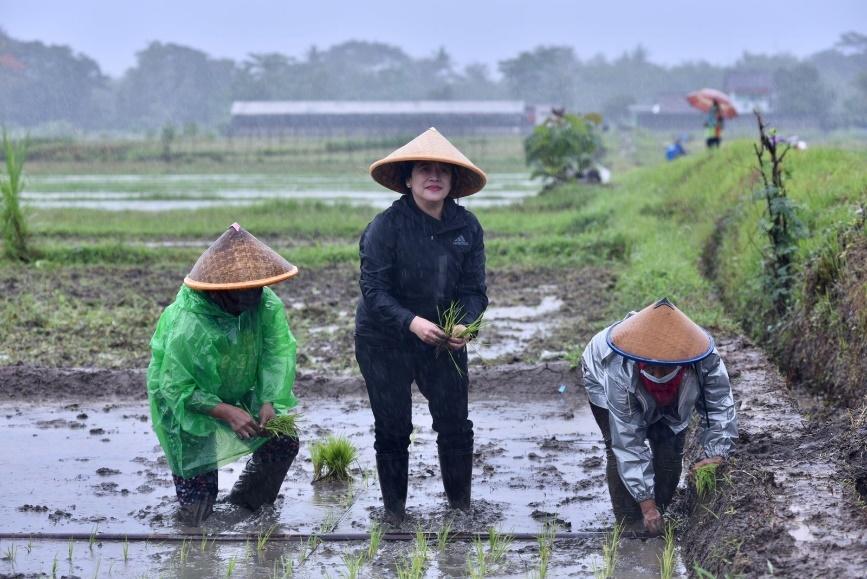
(509, 329)
(109, 474)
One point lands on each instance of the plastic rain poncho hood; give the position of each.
(203, 356)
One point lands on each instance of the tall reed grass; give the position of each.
(15, 232)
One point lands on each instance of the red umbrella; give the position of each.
(703, 101)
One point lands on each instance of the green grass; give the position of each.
(267, 219)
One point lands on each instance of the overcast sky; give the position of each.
(111, 31)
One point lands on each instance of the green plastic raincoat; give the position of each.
(203, 356)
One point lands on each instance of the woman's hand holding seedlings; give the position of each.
(238, 420)
(456, 343)
(427, 331)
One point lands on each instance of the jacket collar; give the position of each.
(454, 216)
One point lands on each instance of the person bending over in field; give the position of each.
(223, 364)
(644, 376)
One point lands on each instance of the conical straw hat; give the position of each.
(660, 334)
(428, 146)
(236, 261)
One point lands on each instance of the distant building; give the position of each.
(750, 90)
(667, 111)
(376, 118)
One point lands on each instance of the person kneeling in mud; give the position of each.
(223, 364)
(644, 376)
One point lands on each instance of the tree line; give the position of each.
(49, 86)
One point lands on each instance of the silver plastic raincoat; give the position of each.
(612, 382)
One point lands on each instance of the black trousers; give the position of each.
(667, 450)
(389, 373)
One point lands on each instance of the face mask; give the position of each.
(664, 380)
(238, 301)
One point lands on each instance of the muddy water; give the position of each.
(78, 469)
(508, 329)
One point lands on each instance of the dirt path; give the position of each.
(786, 505)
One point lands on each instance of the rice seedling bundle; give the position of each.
(449, 322)
(705, 480)
(332, 458)
(284, 425)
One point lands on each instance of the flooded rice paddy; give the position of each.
(96, 469)
(165, 192)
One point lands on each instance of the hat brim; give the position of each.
(205, 286)
(658, 361)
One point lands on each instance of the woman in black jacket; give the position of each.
(418, 257)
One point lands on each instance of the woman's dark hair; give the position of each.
(406, 173)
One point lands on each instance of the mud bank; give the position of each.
(104, 317)
(785, 504)
(39, 384)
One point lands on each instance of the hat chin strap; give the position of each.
(664, 380)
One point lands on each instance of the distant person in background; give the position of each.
(714, 125)
(675, 150)
(645, 376)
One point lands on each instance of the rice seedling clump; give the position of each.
(284, 425)
(332, 458)
(705, 480)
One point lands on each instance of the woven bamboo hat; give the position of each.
(428, 146)
(237, 261)
(660, 334)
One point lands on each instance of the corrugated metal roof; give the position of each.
(242, 108)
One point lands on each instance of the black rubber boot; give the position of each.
(457, 471)
(263, 476)
(194, 513)
(393, 474)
